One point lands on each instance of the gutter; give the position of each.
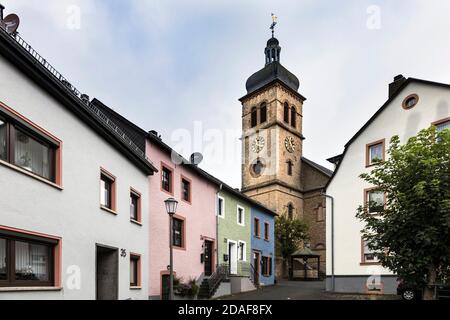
(217, 225)
(333, 279)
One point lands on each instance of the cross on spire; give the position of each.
(274, 23)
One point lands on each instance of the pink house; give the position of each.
(194, 222)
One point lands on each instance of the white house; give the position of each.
(413, 104)
(74, 191)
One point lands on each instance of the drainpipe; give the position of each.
(217, 225)
(333, 285)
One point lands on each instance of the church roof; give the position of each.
(271, 72)
(317, 166)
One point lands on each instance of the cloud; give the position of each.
(166, 64)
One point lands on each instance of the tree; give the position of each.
(411, 234)
(289, 234)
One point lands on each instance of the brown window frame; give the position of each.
(366, 200)
(108, 177)
(167, 168)
(363, 257)
(373, 144)
(411, 96)
(189, 183)
(16, 122)
(266, 266)
(138, 196)
(266, 231)
(183, 232)
(439, 122)
(256, 228)
(137, 258)
(10, 263)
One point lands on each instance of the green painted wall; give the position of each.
(229, 229)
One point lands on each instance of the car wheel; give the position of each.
(408, 295)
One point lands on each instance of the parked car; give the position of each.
(411, 292)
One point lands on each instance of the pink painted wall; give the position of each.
(200, 221)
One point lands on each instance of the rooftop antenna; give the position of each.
(274, 23)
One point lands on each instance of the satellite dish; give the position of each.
(196, 158)
(11, 23)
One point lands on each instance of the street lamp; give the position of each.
(171, 208)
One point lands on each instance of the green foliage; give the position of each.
(289, 233)
(411, 236)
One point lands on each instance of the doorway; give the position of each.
(107, 269)
(232, 256)
(165, 287)
(256, 266)
(208, 258)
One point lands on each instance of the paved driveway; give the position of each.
(297, 290)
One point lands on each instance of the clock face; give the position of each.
(289, 142)
(258, 144)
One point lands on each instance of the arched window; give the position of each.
(286, 112)
(263, 113)
(254, 120)
(290, 166)
(293, 117)
(290, 211)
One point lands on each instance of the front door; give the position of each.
(232, 256)
(209, 249)
(107, 269)
(165, 287)
(256, 266)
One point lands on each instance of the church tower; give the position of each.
(272, 141)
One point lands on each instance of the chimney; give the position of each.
(1, 11)
(394, 86)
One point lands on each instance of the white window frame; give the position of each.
(245, 250)
(223, 207)
(243, 215)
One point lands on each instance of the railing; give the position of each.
(84, 99)
(222, 273)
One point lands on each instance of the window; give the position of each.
(166, 179)
(440, 125)
(290, 211)
(107, 191)
(410, 101)
(186, 189)
(254, 117)
(266, 231)
(241, 216)
(375, 153)
(263, 113)
(29, 150)
(257, 168)
(368, 255)
(286, 112)
(256, 228)
(266, 266)
(242, 251)
(320, 213)
(135, 270)
(25, 263)
(3, 140)
(135, 206)
(178, 233)
(290, 166)
(221, 207)
(293, 117)
(375, 200)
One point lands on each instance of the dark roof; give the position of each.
(271, 72)
(26, 59)
(392, 96)
(335, 159)
(140, 134)
(317, 166)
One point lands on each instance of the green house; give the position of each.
(234, 232)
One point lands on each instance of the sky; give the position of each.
(179, 67)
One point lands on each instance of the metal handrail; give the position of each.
(84, 99)
(221, 273)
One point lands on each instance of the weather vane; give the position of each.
(274, 23)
